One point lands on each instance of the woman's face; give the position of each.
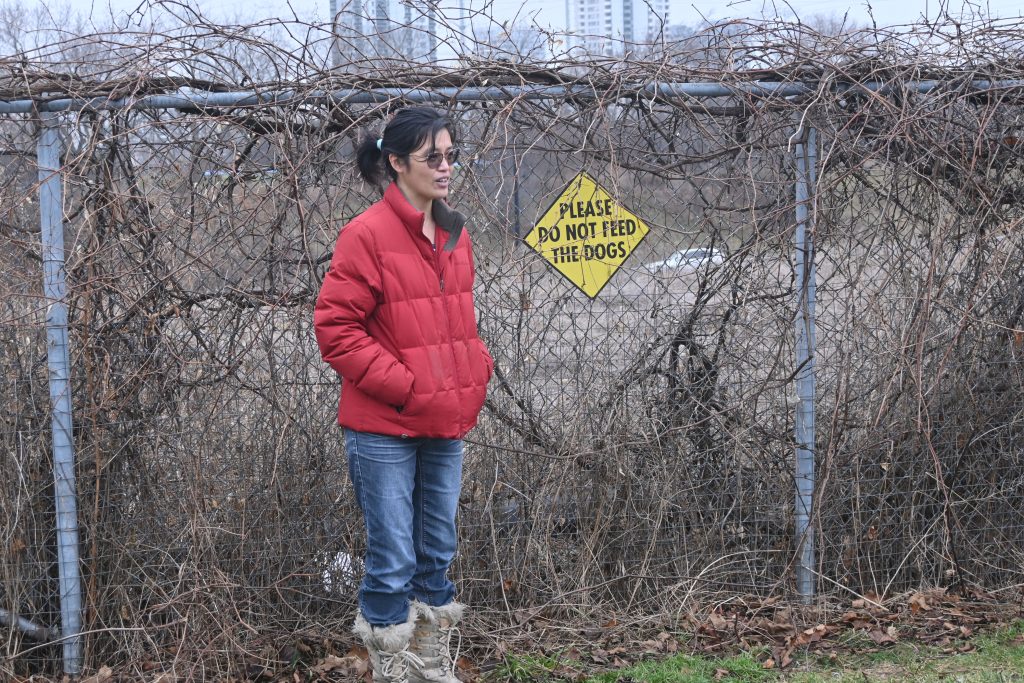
(421, 183)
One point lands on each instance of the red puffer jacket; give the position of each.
(395, 319)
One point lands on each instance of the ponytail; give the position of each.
(368, 158)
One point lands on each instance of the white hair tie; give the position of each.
(380, 141)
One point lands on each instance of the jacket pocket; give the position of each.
(411, 403)
(488, 360)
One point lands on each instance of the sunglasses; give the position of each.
(433, 160)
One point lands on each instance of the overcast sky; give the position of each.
(552, 12)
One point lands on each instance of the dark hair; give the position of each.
(405, 133)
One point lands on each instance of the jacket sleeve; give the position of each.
(346, 302)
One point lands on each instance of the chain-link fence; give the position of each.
(636, 453)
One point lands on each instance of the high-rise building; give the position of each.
(409, 29)
(613, 26)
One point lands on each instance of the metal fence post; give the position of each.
(51, 208)
(806, 161)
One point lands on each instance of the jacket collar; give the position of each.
(449, 222)
(406, 212)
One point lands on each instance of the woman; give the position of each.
(395, 319)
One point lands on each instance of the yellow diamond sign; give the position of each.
(586, 235)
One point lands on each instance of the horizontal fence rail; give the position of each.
(202, 100)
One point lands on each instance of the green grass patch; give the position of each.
(689, 669)
(997, 657)
(530, 668)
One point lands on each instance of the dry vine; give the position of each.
(636, 451)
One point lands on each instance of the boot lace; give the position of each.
(433, 643)
(447, 659)
(395, 665)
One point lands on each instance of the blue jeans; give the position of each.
(408, 490)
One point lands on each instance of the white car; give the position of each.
(687, 260)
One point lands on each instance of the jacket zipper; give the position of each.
(448, 330)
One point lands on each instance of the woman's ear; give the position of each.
(396, 163)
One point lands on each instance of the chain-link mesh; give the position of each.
(636, 451)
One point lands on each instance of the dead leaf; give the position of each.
(782, 657)
(717, 621)
(775, 627)
(721, 673)
(769, 663)
(918, 603)
(350, 666)
(856, 620)
(652, 647)
(563, 672)
(980, 594)
(358, 651)
(524, 615)
(611, 623)
(467, 667)
(104, 674)
(811, 635)
(881, 637)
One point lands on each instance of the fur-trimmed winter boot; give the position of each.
(432, 641)
(390, 657)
